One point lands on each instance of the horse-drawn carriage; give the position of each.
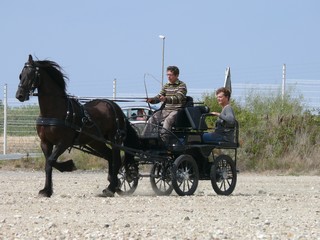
(187, 159)
(99, 127)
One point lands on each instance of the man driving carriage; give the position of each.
(173, 98)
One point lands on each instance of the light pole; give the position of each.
(162, 73)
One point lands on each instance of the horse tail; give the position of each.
(132, 140)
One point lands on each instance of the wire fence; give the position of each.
(307, 91)
(18, 137)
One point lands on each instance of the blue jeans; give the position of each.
(213, 137)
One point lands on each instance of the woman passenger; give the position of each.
(224, 127)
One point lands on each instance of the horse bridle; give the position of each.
(35, 80)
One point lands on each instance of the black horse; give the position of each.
(63, 123)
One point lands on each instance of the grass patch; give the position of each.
(32, 163)
(83, 161)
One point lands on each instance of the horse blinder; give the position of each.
(29, 90)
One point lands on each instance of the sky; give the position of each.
(98, 41)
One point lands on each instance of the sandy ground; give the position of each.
(261, 207)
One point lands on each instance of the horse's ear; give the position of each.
(30, 60)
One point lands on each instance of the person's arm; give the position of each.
(227, 115)
(153, 100)
(157, 98)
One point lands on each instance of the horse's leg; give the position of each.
(66, 166)
(108, 155)
(51, 161)
(47, 150)
(114, 167)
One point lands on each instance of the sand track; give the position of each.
(261, 207)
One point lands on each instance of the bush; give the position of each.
(275, 133)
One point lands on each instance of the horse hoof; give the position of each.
(44, 193)
(67, 166)
(106, 193)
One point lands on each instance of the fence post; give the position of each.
(5, 103)
(114, 94)
(284, 73)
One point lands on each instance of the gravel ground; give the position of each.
(261, 207)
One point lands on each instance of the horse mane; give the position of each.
(55, 71)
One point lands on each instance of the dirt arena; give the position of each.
(261, 207)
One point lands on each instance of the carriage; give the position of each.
(187, 159)
(100, 128)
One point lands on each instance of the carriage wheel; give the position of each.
(185, 175)
(160, 178)
(223, 175)
(128, 179)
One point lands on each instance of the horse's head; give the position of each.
(29, 80)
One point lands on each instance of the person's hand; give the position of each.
(216, 114)
(149, 100)
(162, 98)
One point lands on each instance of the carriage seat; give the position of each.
(196, 116)
(182, 121)
(191, 118)
(229, 145)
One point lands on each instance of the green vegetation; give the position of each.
(275, 133)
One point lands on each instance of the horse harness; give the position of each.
(71, 118)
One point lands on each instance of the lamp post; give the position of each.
(162, 73)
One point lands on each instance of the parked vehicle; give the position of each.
(137, 114)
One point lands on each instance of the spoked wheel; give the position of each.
(185, 175)
(223, 175)
(128, 179)
(160, 178)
